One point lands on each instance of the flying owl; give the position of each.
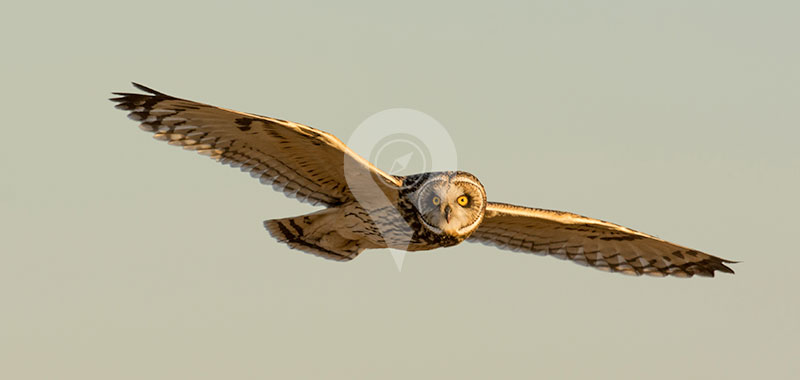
(368, 208)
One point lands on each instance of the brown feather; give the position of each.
(591, 242)
(298, 160)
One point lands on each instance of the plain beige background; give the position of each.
(123, 258)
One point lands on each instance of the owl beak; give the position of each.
(447, 210)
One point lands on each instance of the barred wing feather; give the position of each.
(591, 242)
(298, 160)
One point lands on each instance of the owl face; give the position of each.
(451, 203)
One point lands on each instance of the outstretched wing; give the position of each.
(302, 162)
(590, 242)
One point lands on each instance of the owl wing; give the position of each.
(302, 162)
(590, 242)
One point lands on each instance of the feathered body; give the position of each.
(343, 231)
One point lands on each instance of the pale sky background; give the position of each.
(123, 258)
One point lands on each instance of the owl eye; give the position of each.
(436, 201)
(463, 200)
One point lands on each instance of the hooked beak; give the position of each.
(447, 210)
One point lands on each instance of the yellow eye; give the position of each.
(462, 200)
(436, 201)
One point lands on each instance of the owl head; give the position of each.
(451, 203)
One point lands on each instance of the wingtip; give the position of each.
(146, 89)
(728, 269)
(724, 268)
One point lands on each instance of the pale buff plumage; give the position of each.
(368, 208)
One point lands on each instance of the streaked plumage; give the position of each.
(368, 208)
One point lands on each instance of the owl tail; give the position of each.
(315, 234)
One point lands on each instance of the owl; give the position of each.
(366, 208)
